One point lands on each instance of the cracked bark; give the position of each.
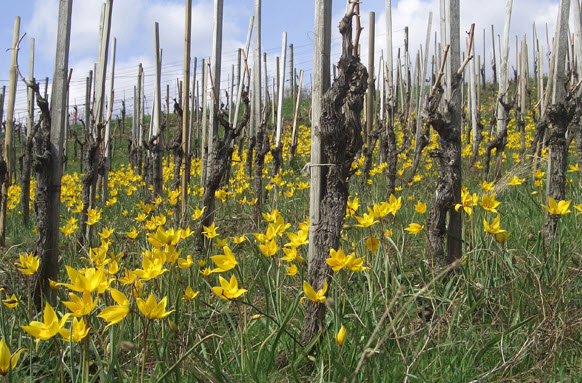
(222, 149)
(560, 116)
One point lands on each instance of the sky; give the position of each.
(133, 27)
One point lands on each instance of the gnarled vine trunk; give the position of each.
(340, 134)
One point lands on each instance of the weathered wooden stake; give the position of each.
(48, 205)
(186, 113)
(6, 163)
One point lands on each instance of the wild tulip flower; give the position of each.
(366, 220)
(189, 294)
(8, 361)
(394, 204)
(221, 242)
(310, 293)
(467, 201)
(557, 208)
(28, 264)
(539, 174)
(198, 213)
(489, 203)
(132, 234)
(414, 228)
(77, 333)
(210, 231)
(290, 254)
(356, 265)
(228, 289)
(49, 327)
(93, 216)
(115, 314)
(420, 208)
(128, 277)
(494, 227)
(225, 262)
(269, 249)
(338, 260)
(340, 336)
(487, 186)
(185, 263)
(10, 302)
(106, 233)
(164, 237)
(502, 237)
(151, 268)
(372, 244)
(515, 181)
(292, 270)
(87, 280)
(151, 309)
(297, 239)
(240, 239)
(68, 229)
(81, 306)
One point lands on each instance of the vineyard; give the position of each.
(374, 227)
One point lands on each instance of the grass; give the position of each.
(507, 311)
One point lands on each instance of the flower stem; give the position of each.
(145, 348)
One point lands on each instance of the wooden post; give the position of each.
(107, 157)
(281, 91)
(27, 159)
(389, 56)
(193, 112)
(295, 115)
(256, 96)
(48, 222)
(291, 78)
(138, 119)
(186, 113)
(494, 62)
(577, 16)
(321, 83)
(502, 115)
(3, 95)
(454, 229)
(215, 63)
(482, 69)
(422, 86)
(231, 94)
(103, 50)
(203, 128)
(371, 71)
(443, 20)
(157, 116)
(8, 135)
(558, 90)
(473, 80)
(523, 85)
(241, 76)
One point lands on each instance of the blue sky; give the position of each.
(132, 24)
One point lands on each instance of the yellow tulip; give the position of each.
(49, 327)
(151, 309)
(28, 264)
(310, 293)
(8, 361)
(228, 289)
(340, 336)
(116, 313)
